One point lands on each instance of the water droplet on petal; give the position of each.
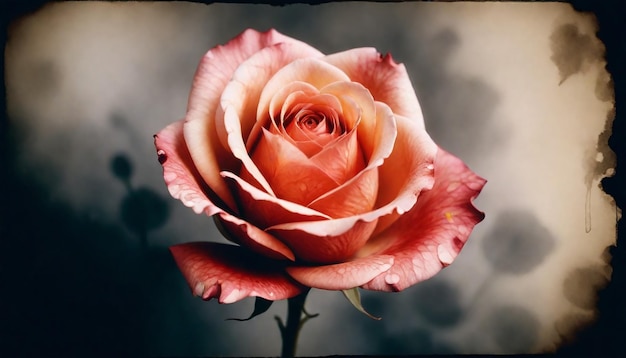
(392, 279)
(302, 187)
(199, 289)
(453, 186)
(444, 254)
(474, 184)
(232, 297)
(430, 167)
(161, 156)
(169, 176)
(385, 267)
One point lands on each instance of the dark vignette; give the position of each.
(18, 198)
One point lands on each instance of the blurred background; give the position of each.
(519, 91)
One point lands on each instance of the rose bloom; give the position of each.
(318, 167)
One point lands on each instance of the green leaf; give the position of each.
(260, 306)
(354, 297)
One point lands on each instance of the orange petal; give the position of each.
(355, 197)
(343, 276)
(359, 194)
(212, 75)
(341, 159)
(181, 177)
(309, 70)
(230, 273)
(358, 110)
(431, 234)
(387, 81)
(415, 153)
(236, 115)
(264, 210)
(328, 241)
(238, 149)
(250, 236)
(292, 176)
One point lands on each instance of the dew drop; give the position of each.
(199, 289)
(169, 176)
(161, 156)
(392, 279)
(444, 255)
(302, 187)
(430, 167)
(474, 184)
(453, 186)
(232, 297)
(341, 271)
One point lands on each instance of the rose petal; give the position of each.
(342, 276)
(285, 99)
(387, 81)
(310, 70)
(354, 96)
(316, 241)
(359, 194)
(245, 234)
(342, 159)
(292, 176)
(181, 177)
(264, 210)
(212, 75)
(231, 273)
(355, 197)
(288, 96)
(236, 114)
(415, 153)
(431, 235)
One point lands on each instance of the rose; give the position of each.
(318, 167)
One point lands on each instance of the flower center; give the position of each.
(311, 126)
(311, 122)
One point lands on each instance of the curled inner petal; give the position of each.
(288, 171)
(307, 118)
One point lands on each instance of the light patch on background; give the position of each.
(86, 81)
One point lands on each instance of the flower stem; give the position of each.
(290, 331)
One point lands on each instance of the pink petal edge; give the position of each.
(431, 235)
(342, 276)
(182, 179)
(387, 81)
(231, 273)
(214, 72)
(184, 183)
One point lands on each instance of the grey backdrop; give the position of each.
(518, 91)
